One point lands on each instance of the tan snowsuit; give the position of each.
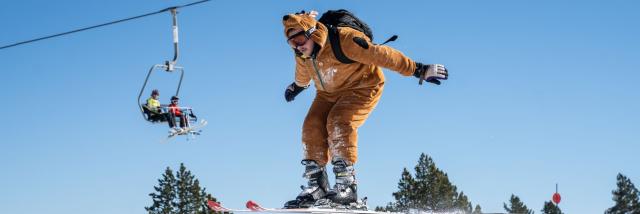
(346, 93)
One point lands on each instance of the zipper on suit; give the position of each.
(315, 67)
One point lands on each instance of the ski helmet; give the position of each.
(307, 23)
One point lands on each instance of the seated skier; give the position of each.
(153, 106)
(174, 111)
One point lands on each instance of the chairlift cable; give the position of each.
(101, 25)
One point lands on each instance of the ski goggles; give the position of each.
(298, 39)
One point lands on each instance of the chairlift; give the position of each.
(171, 66)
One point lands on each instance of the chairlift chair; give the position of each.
(168, 66)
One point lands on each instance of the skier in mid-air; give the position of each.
(349, 83)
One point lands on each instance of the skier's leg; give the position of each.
(155, 117)
(186, 119)
(347, 115)
(183, 121)
(314, 142)
(171, 120)
(314, 132)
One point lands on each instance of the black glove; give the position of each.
(292, 91)
(432, 73)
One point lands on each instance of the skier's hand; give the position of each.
(432, 73)
(292, 91)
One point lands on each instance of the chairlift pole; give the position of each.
(171, 64)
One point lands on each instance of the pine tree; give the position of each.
(516, 206)
(429, 190)
(625, 197)
(405, 196)
(462, 203)
(166, 194)
(550, 208)
(179, 194)
(389, 208)
(477, 210)
(185, 203)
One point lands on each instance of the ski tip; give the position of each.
(215, 206)
(253, 206)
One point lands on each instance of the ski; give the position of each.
(217, 207)
(255, 207)
(191, 131)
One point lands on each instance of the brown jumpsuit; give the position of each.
(346, 93)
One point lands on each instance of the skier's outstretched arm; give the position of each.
(357, 46)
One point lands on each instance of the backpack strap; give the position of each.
(334, 39)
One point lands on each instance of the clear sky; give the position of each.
(540, 92)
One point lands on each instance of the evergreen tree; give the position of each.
(186, 202)
(516, 206)
(179, 194)
(477, 210)
(166, 194)
(389, 208)
(625, 197)
(406, 194)
(462, 203)
(430, 190)
(551, 208)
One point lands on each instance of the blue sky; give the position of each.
(540, 92)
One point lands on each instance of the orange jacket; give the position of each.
(329, 74)
(175, 109)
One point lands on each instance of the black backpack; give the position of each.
(343, 18)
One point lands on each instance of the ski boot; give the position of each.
(345, 191)
(317, 186)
